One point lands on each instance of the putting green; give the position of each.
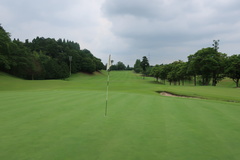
(59, 119)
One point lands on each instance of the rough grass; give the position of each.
(64, 119)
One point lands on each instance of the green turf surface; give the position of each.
(64, 119)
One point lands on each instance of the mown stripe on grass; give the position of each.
(69, 123)
(36, 126)
(137, 127)
(198, 132)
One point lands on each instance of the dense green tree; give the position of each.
(218, 68)
(208, 63)
(113, 67)
(88, 65)
(5, 42)
(121, 66)
(144, 63)
(172, 76)
(99, 64)
(44, 58)
(155, 72)
(181, 71)
(137, 66)
(164, 69)
(54, 70)
(35, 70)
(160, 72)
(233, 68)
(193, 67)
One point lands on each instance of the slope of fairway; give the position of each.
(64, 119)
(121, 82)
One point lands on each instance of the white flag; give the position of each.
(109, 62)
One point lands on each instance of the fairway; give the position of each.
(64, 120)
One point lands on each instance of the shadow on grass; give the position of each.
(156, 82)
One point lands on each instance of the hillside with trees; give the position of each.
(44, 58)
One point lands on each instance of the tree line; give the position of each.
(206, 67)
(119, 66)
(44, 58)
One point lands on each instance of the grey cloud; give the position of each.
(128, 29)
(47, 11)
(161, 10)
(171, 30)
(158, 23)
(142, 8)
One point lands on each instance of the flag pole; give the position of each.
(108, 70)
(106, 107)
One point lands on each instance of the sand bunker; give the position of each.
(174, 95)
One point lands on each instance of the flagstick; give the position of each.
(107, 96)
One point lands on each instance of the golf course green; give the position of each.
(64, 119)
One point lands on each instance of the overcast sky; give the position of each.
(162, 30)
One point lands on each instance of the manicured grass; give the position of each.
(224, 91)
(205, 92)
(64, 119)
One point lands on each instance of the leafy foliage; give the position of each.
(207, 64)
(233, 68)
(44, 58)
(144, 64)
(119, 66)
(137, 66)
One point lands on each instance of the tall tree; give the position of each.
(5, 42)
(155, 72)
(208, 63)
(164, 69)
(174, 74)
(144, 64)
(160, 72)
(193, 67)
(137, 66)
(181, 71)
(121, 66)
(233, 68)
